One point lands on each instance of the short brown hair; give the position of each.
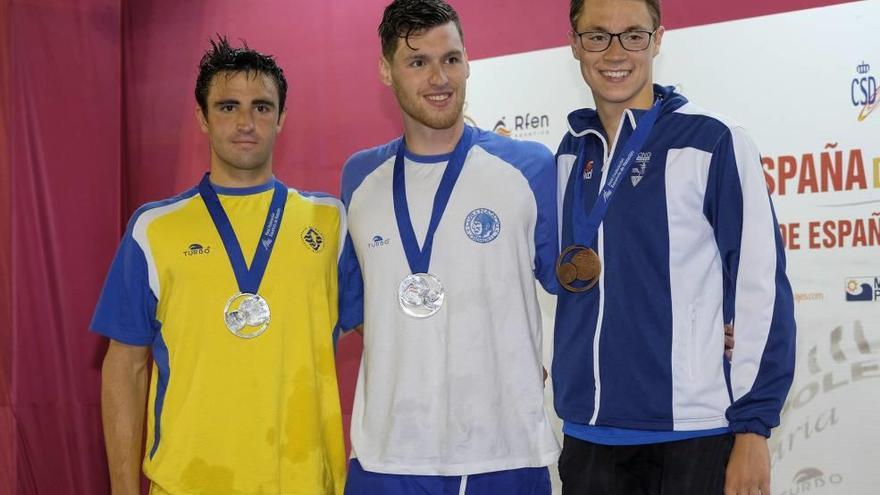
(404, 18)
(576, 6)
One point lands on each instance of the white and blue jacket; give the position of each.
(690, 242)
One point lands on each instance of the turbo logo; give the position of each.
(196, 249)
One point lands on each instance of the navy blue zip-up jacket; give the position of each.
(690, 242)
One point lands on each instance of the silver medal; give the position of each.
(421, 295)
(246, 315)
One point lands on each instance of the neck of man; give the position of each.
(227, 176)
(424, 140)
(610, 113)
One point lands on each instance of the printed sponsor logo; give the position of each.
(863, 91)
(526, 125)
(378, 241)
(813, 480)
(863, 289)
(808, 297)
(482, 225)
(313, 239)
(501, 128)
(196, 250)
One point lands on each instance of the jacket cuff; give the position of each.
(750, 426)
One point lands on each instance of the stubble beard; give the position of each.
(243, 161)
(422, 112)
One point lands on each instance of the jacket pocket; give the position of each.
(692, 340)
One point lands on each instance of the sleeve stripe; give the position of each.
(564, 164)
(756, 281)
(139, 234)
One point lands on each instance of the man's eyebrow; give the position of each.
(421, 56)
(414, 56)
(260, 101)
(228, 101)
(634, 27)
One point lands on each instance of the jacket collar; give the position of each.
(582, 121)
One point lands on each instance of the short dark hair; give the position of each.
(403, 18)
(222, 57)
(576, 6)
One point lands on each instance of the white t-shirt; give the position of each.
(460, 392)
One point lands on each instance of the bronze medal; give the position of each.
(578, 264)
(566, 273)
(587, 263)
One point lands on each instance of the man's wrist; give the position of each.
(750, 426)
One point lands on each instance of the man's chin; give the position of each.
(438, 121)
(441, 122)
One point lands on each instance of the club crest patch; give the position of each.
(482, 225)
(638, 171)
(313, 239)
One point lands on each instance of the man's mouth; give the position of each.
(615, 75)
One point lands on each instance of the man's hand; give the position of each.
(728, 342)
(748, 471)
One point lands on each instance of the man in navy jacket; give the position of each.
(667, 234)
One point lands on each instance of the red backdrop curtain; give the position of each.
(64, 142)
(96, 117)
(7, 460)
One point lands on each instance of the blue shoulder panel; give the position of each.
(538, 166)
(362, 164)
(126, 309)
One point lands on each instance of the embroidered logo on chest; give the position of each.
(313, 239)
(638, 171)
(588, 170)
(482, 225)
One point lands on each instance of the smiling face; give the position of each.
(242, 121)
(428, 73)
(619, 79)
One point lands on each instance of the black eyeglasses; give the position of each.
(599, 41)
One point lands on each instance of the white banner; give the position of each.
(805, 86)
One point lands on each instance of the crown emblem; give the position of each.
(863, 67)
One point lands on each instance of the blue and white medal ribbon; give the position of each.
(579, 266)
(421, 294)
(246, 314)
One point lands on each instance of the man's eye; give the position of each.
(416, 63)
(227, 108)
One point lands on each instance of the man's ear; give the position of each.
(385, 72)
(281, 119)
(202, 119)
(574, 41)
(658, 39)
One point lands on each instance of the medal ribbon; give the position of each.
(586, 227)
(248, 278)
(420, 259)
